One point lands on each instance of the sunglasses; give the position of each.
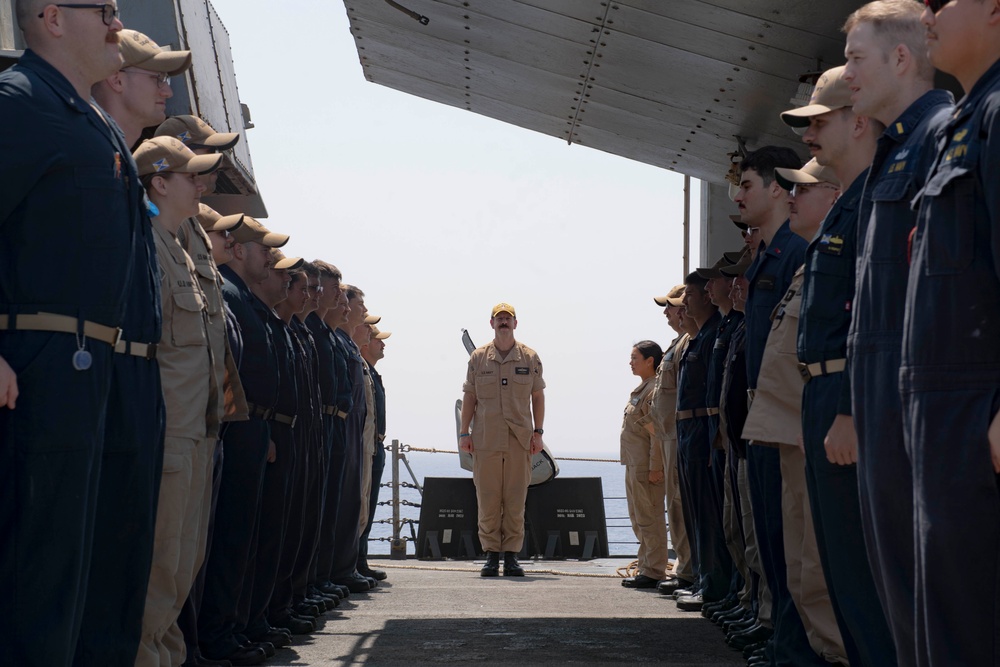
(749, 231)
(936, 5)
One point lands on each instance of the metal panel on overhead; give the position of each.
(217, 101)
(668, 83)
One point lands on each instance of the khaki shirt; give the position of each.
(232, 404)
(369, 433)
(776, 411)
(184, 355)
(503, 389)
(638, 446)
(663, 396)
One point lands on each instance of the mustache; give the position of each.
(812, 144)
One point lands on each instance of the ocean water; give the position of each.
(621, 540)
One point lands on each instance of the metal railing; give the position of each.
(398, 541)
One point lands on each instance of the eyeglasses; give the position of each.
(936, 5)
(749, 231)
(162, 78)
(800, 188)
(109, 12)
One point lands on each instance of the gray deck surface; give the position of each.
(445, 613)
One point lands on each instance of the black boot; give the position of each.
(492, 566)
(510, 566)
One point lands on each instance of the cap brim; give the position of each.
(800, 117)
(373, 319)
(200, 164)
(382, 335)
(789, 178)
(738, 221)
(676, 303)
(734, 256)
(220, 141)
(736, 269)
(226, 223)
(708, 273)
(168, 62)
(273, 240)
(289, 263)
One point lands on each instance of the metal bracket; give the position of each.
(416, 16)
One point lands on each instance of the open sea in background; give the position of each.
(621, 540)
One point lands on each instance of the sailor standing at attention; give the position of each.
(504, 379)
(642, 456)
(950, 376)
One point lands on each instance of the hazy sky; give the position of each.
(438, 214)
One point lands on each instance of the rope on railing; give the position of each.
(431, 450)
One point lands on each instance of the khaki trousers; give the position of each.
(367, 460)
(501, 479)
(752, 554)
(675, 512)
(806, 582)
(645, 511)
(182, 514)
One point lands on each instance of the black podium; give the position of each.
(564, 518)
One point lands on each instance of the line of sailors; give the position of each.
(829, 414)
(192, 424)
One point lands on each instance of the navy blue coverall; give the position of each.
(898, 172)
(827, 295)
(65, 167)
(950, 386)
(237, 514)
(701, 489)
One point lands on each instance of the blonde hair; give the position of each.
(897, 22)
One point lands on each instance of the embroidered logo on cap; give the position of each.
(161, 165)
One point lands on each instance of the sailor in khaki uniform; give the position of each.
(168, 171)
(663, 405)
(504, 392)
(775, 420)
(642, 456)
(194, 236)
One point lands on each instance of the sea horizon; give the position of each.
(621, 540)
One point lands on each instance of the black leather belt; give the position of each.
(142, 350)
(333, 411)
(696, 412)
(829, 367)
(260, 412)
(284, 419)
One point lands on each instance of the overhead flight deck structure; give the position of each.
(680, 84)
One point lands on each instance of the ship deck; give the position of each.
(561, 612)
